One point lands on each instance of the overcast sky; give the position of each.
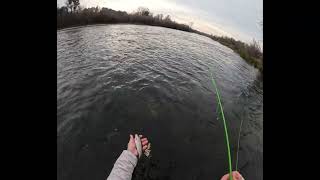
(235, 18)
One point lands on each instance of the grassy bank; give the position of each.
(71, 17)
(252, 53)
(249, 52)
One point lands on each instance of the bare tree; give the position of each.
(69, 5)
(167, 18)
(255, 48)
(143, 11)
(76, 4)
(73, 5)
(261, 25)
(191, 24)
(159, 17)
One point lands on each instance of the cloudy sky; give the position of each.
(235, 18)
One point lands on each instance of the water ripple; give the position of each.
(155, 81)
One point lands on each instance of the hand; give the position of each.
(235, 176)
(132, 145)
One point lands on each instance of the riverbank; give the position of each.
(89, 16)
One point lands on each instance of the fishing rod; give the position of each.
(224, 125)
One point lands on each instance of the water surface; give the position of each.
(114, 80)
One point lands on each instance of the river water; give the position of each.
(113, 80)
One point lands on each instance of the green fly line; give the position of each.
(238, 144)
(224, 124)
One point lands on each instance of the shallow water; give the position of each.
(114, 80)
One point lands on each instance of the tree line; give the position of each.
(71, 15)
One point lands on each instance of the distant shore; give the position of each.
(101, 16)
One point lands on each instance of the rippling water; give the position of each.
(114, 80)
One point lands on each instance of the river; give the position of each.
(113, 80)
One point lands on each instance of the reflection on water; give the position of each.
(119, 79)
